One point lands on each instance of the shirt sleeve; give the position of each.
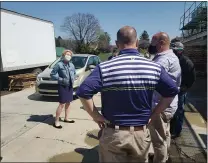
(74, 70)
(166, 86)
(191, 73)
(54, 73)
(92, 85)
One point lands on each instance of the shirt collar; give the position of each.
(129, 51)
(165, 52)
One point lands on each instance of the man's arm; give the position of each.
(109, 58)
(191, 74)
(93, 112)
(91, 85)
(167, 89)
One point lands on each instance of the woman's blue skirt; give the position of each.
(65, 94)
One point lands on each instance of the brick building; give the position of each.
(193, 25)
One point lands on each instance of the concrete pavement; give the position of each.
(27, 134)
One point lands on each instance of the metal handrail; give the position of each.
(188, 16)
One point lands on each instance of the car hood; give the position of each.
(46, 73)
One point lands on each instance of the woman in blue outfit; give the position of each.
(64, 73)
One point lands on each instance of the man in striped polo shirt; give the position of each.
(126, 83)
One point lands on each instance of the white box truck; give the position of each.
(27, 44)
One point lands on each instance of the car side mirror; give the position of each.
(90, 67)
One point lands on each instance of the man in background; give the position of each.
(160, 127)
(115, 53)
(188, 78)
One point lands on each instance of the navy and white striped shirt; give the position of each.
(127, 83)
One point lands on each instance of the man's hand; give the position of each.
(160, 107)
(93, 112)
(65, 81)
(99, 119)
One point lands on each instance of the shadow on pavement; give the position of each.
(98, 108)
(82, 155)
(47, 119)
(37, 97)
(89, 155)
(187, 147)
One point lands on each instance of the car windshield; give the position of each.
(78, 61)
(54, 63)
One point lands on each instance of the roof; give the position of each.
(84, 55)
(24, 15)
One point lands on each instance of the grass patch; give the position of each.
(104, 56)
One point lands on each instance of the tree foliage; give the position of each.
(144, 36)
(66, 43)
(83, 28)
(104, 42)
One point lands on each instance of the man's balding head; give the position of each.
(162, 37)
(161, 42)
(127, 37)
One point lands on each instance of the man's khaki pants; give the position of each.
(160, 136)
(124, 146)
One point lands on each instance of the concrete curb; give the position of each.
(197, 123)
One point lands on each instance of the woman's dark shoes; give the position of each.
(59, 127)
(151, 156)
(67, 121)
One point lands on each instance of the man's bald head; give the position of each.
(127, 36)
(161, 42)
(162, 37)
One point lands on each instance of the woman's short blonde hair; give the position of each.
(66, 51)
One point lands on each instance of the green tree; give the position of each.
(104, 42)
(144, 44)
(144, 36)
(83, 28)
(58, 41)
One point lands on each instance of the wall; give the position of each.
(196, 50)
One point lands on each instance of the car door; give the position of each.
(87, 72)
(96, 60)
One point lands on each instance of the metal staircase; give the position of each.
(194, 19)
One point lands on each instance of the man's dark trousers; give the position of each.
(177, 120)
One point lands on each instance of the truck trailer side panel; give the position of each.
(26, 42)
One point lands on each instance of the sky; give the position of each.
(150, 16)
